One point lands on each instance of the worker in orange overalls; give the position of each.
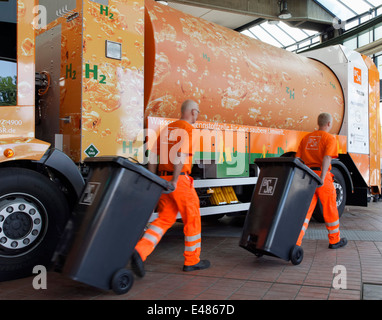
(316, 150)
(174, 147)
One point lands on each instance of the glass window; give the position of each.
(304, 44)
(351, 43)
(375, 3)
(366, 18)
(378, 63)
(365, 39)
(378, 33)
(8, 11)
(357, 6)
(287, 36)
(264, 36)
(316, 40)
(295, 33)
(337, 8)
(310, 32)
(8, 53)
(8, 71)
(278, 33)
(292, 48)
(352, 24)
(249, 34)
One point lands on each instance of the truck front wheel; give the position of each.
(33, 214)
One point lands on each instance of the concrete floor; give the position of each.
(237, 274)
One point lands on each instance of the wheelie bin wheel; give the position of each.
(122, 281)
(296, 255)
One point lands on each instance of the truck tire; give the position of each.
(340, 186)
(33, 214)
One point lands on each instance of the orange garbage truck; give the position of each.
(88, 78)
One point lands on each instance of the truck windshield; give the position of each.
(8, 52)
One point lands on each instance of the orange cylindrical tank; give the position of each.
(234, 78)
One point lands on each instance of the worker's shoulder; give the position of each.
(328, 136)
(181, 124)
(318, 137)
(322, 134)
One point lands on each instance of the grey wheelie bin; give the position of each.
(279, 205)
(115, 206)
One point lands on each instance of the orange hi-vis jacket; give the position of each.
(312, 150)
(176, 137)
(315, 146)
(184, 199)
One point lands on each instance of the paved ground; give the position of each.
(237, 274)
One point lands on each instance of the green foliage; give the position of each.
(8, 91)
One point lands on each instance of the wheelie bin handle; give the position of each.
(170, 188)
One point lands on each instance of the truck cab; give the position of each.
(37, 193)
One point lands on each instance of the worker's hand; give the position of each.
(173, 183)
(322, 183)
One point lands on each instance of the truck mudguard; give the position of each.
(60, 162)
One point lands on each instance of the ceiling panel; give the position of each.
(281, 34)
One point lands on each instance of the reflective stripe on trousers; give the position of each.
(185, 201)
(327, 196)
(333, 227)
(192, 243)
(153, 234)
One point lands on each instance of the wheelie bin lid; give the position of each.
(129, 165)
(288, 161)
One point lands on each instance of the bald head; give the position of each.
(189, 111)
(188, 105)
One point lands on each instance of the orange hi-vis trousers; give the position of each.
(327, 195)
(185, 201)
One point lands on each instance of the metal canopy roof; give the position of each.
(347, 9)
(292, 34)
(280, 34)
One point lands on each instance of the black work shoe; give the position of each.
(137, 264)
(202, 264)
(342, 243)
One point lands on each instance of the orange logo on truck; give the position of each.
(357, 75)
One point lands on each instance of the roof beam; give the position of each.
(367, 26)
(302, 10)
(371, 48)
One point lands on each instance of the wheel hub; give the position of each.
(124, 281)
(339, 193)
(17, 225)
(20, 224)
